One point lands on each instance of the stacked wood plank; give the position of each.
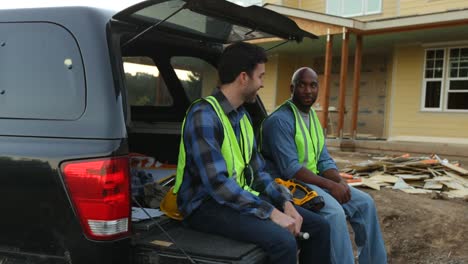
(413, 175)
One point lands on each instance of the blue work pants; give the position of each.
(362, 215)
(279, 244)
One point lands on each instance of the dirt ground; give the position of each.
(418, 228)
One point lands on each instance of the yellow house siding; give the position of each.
(276, 2)
(291, 3)
(314, 5)
(407, 118)
(388, 98)
(268, 92)
(305, 60)
(287, 65)
(413, 7)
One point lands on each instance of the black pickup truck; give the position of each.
(81, 88)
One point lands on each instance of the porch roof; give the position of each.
(324, 23)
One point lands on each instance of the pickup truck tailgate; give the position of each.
(154, 247)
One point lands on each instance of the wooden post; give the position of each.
(343, 73)
(357, 80)
(326, 81)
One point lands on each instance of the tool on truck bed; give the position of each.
(303, 195)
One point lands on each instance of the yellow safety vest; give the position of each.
(235, 156)
(309, 142)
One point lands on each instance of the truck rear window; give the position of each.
(146, 86)
(198, 77)
(41, 72)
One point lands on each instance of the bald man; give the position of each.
(294, 147)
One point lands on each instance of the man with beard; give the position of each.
(294, 147)
(220, 184)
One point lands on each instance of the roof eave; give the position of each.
(418, 21)
(378, 26)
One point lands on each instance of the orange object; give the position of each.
(354, 180)
(430, 161)
(407, 155)
(346, 175)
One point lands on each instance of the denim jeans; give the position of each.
(362, 216)
(278, 243)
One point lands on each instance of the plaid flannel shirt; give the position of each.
(206, 174)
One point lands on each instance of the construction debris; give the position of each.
(433, 185)
(413, 175)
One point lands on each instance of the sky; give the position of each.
(116, 5)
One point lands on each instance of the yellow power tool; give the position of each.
(303, 195)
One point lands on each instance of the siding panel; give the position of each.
(314, 5)
(291, 3)
(268, 92)
(276, 2)
(413, 7)
(287, 66)
(408, 120)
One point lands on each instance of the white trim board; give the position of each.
(449, 140)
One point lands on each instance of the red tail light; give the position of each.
(100, 192)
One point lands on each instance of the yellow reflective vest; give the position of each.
(235, 156)
(309, 141)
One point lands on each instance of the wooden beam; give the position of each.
(455, 168)
(343, 73)
(357, 80)
(315, 27)
(326, 82)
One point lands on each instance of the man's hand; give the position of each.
(331, 181)
(340, 191)
(283, 220)
(345, 184)
(291, 211)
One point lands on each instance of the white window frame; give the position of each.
(363, 9)
(425, 80)
(445, 84)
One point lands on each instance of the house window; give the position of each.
(351, 8)
(433, 78)
(457, 81)
(445, 82)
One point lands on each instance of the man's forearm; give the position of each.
(333, 175)
(307, 176)
(338, 189)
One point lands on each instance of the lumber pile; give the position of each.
(415, 175)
